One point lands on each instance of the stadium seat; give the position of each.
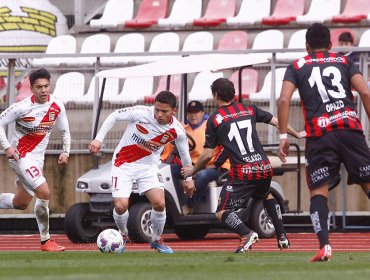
(249, 82)
(334, 35)
(354, 11)
(250, 12)
(365, 39)
(64, 44)
(135, 89)
(93, 44)
(285, 12)
(148, 14)
(2, 90)
(69, 86)
(175, 87)
(320, 11)
(268, 39)
(24, 89)
(233, 40)
(163, 42)
(198, 41)
(216, 13)
(127, 43)
(201, 86)
(116, 12)
(297, 41)
(183, 12)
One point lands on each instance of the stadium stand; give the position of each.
(127, 43)
(24, 89)
(149, 12)
(135, 89)
(116, 12)
(265, 93)
(250, 12)
(233, 40)
(64, 44)
(365, 39)
(297, 41)
(69, 86)
(268, 39)
(200, 90)
(249, 82)
(216, 13)
(334, 35)
(183, 12)
(354, 12)
(320, 11)
(198, 41)
(285, 12)
(174, 87)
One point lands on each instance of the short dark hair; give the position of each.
(346, 37)
(224, 88)
(318, 36)
(166, 97)
(41, 73)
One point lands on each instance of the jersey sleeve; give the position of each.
(63, 126)
(262, 116)
(291, 75)
(353, 68)
(182, 145)
(211, 134)
(8, 116)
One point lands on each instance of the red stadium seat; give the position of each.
(354, 11)
(175, 87)
(249, 82)
(285, 11)
(233, 40)
(334, 35)
(24, 89)
(216, 13)
(148, 14)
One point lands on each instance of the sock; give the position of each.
(6, 201)
(233, 223)
(273, 210)
(42, 218)
(158, 222)
(319, 215)
(121, 221)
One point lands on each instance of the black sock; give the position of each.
(43, 242)
(319, 211)
(273, 209)
(233, 223)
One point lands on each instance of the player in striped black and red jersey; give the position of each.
(334, 133)
(136, 159)
(233, 126)
(34, 119)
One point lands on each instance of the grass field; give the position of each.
(181, 265)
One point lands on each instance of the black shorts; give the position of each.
(325, 154)
(236, 196)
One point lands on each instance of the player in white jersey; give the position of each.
(136, 158)
(34, 118)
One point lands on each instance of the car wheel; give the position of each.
(260, 222)
(78, 224)
(139, 224)
(191, 232)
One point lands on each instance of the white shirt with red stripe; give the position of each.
(33, 125)
(144, 138)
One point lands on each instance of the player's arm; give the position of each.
(363, 90)
(290, 130)
(63, 126)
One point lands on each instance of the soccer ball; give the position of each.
(110, 241)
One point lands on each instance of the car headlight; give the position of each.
(82, 185)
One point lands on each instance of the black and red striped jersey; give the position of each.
(323, 81)
(234, 127)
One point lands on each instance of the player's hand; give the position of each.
(63, 159)
(283, 149)
(95, 146)
(187, 171)
(189, 187)
(302, 134)
(12, 153)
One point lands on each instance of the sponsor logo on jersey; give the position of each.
(52, 116)
(302, 61)
(323, 122)
(229, 188)
(141, 129)
(164, 139)
(28, 119)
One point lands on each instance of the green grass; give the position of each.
(181, 265)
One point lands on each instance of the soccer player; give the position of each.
(233, 126)
(136, 158)
(34, 119)
(334, 132)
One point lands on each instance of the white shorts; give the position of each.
(29, 172)
(145, 176)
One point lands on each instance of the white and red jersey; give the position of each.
(144, 138)
(33, 125)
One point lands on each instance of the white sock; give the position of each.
(121, 221)
(158, 222)
(6, 201)
(42, 217)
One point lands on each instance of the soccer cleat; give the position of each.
(161, 247)
(52, 246)
(246, 242)
(283, 242)
(323, 255)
